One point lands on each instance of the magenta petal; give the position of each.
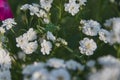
(5, 11)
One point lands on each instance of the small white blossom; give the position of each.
(50, 36)
(34, 9)
(46, 47)
(90, 27)
(56, 63)
(87, 46)
(25, 7)
(46, 4)
(104, 35)
(8, 23)
(72, 7)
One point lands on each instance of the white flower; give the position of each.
(5, 75)
(104, 35)
(42, 14)
(87, 46)
(56, 63)
(25, 7)
(50, 36)
(46, 4)
(31, 34)
(5, 60)
(31, 47)
(25, 41)
(46, 20)
(40, 75)
(34, 9)
(90, 27)
(73, 65)
(46, 47)
(60, 74)
(21, 42)
(8, 23)
(72, 7)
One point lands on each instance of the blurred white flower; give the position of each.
(8, 23)
(82, 2)
(34, 9)
(5, 75)
(109, 61)
(73, 65)
(41, 74)
(72, 7)
(50, 36)
(46, 47)
(5, 60)
(30, 69)
(113, 24)
(90, 27)
(25, 7)
(106, 74)
(60, 74)
(46, 4)
(87, 46)
(104, 35)
(56, 63)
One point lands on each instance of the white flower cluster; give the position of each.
(90, 27)
(46, 45)
(46, 4)
(111, 66)
(27, 41)
(73, 7)
(40, 71)
(7, 25)
(5, 65)
(114, 24)
(35, 9)
(87, 46)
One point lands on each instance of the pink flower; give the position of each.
(5, 11)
